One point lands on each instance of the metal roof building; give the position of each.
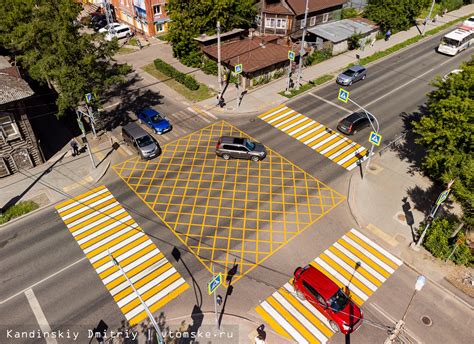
(343, 29)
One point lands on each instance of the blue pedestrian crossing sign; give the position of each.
(214, 283)
(291, 55)
(238, 68)
(375, 138)
(89, 97)
(343, 95)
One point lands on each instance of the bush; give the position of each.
(194, 59)
(187, 80)
(438, 243)
(451, 4)
(18, 210)
(349, 13)
(317, 56)
(209, 67)
(353, 41)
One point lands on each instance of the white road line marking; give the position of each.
(116, 247)
(342, 150)
(209, 114)
(281, 116)
(369, 255)
(41, 281)
(274, 112)
(377, 247)
(297, 115)
(331, 103)
(397, 88)
(350, 156)
(357, 163)
(283, 322)
(291, 133)
(73, 204)
(39, 315)
(309, 131)
(326, 140)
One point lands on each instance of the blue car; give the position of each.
(156, 121)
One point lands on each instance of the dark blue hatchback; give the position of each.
(156, 121)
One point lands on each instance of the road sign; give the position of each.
(238, 68)
(89, 97)
(343, 95)
(375, 138)
(291, 55)
(442, 197)
(214, 283)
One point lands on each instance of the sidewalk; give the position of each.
(62, 177)
(395, 192)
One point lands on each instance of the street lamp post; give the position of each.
(150, 315)
(420, 282)
(302, 51)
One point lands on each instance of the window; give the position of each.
(229, 147)
(156, 9)
(281, 23)
(315, 294)
(8, 128)
(270, 22)
(159, 27)
(312, 21)
(325, 17)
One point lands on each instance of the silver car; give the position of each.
(353, 74)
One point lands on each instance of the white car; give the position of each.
(454, 71)
(121, 31)
(106, 28)
(469, 22)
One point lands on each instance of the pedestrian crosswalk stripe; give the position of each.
(355, 263)
(101, 225)
(318, 137)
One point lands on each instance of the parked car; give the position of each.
(240, 148)
(469, 22)
(354, 122)
(451, 73)
(155, 120)
(121, 31)
(353, 74)
(144, 144)
(321, 292)
(107, 27)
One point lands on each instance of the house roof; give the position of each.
(253, 53)
(205, 38)
(277, 8)
(298, 6)
(343, 29)
(12, 86)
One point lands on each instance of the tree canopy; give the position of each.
(45, 38)
(395, 15)
(191, 18)
(446, 131)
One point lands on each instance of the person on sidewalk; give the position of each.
(388, 34)
(75, 146)
(435, 18)
(445, 11)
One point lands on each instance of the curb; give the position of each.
(101, 175)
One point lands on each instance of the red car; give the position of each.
(312, 285)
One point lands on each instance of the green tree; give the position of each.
(191, 18)
(45, 38)
(395, 15)
(446, 132)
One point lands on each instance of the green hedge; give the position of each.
(187, 80)
(18, 210)
(303, 88)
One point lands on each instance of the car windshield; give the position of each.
(156, 118)
(349, 72)
(250, 145)
(449, 42)
(338, 301)
(144, 141)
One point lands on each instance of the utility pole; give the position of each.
(302, 51)
(150, 315)
(108, 17)
(420, 282)
(428, 18)
(219, 81)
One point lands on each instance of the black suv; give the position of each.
(354, 122)
(240, 148)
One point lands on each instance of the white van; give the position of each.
(121, 31)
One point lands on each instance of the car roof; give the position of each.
(149, 112)
(357, 68)
(230, 139)
(322, 283)
(354, 116)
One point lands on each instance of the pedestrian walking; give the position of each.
(445, 11)
(362, 45)
(139, 43)
(373, 41)
(388, 34)
(75, 146)
(435, 18)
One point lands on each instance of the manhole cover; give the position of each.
(252, 120)
(426, 320)
(401, 217)
(373, 168)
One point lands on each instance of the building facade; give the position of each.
(147, 17)
(19, 148)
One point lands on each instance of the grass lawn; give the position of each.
(202, 93)
(125, 50)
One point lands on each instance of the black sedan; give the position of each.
(355, 122)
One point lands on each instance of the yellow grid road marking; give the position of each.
(291, 122)
(292, 317)
(135, 252)
(228, 211)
